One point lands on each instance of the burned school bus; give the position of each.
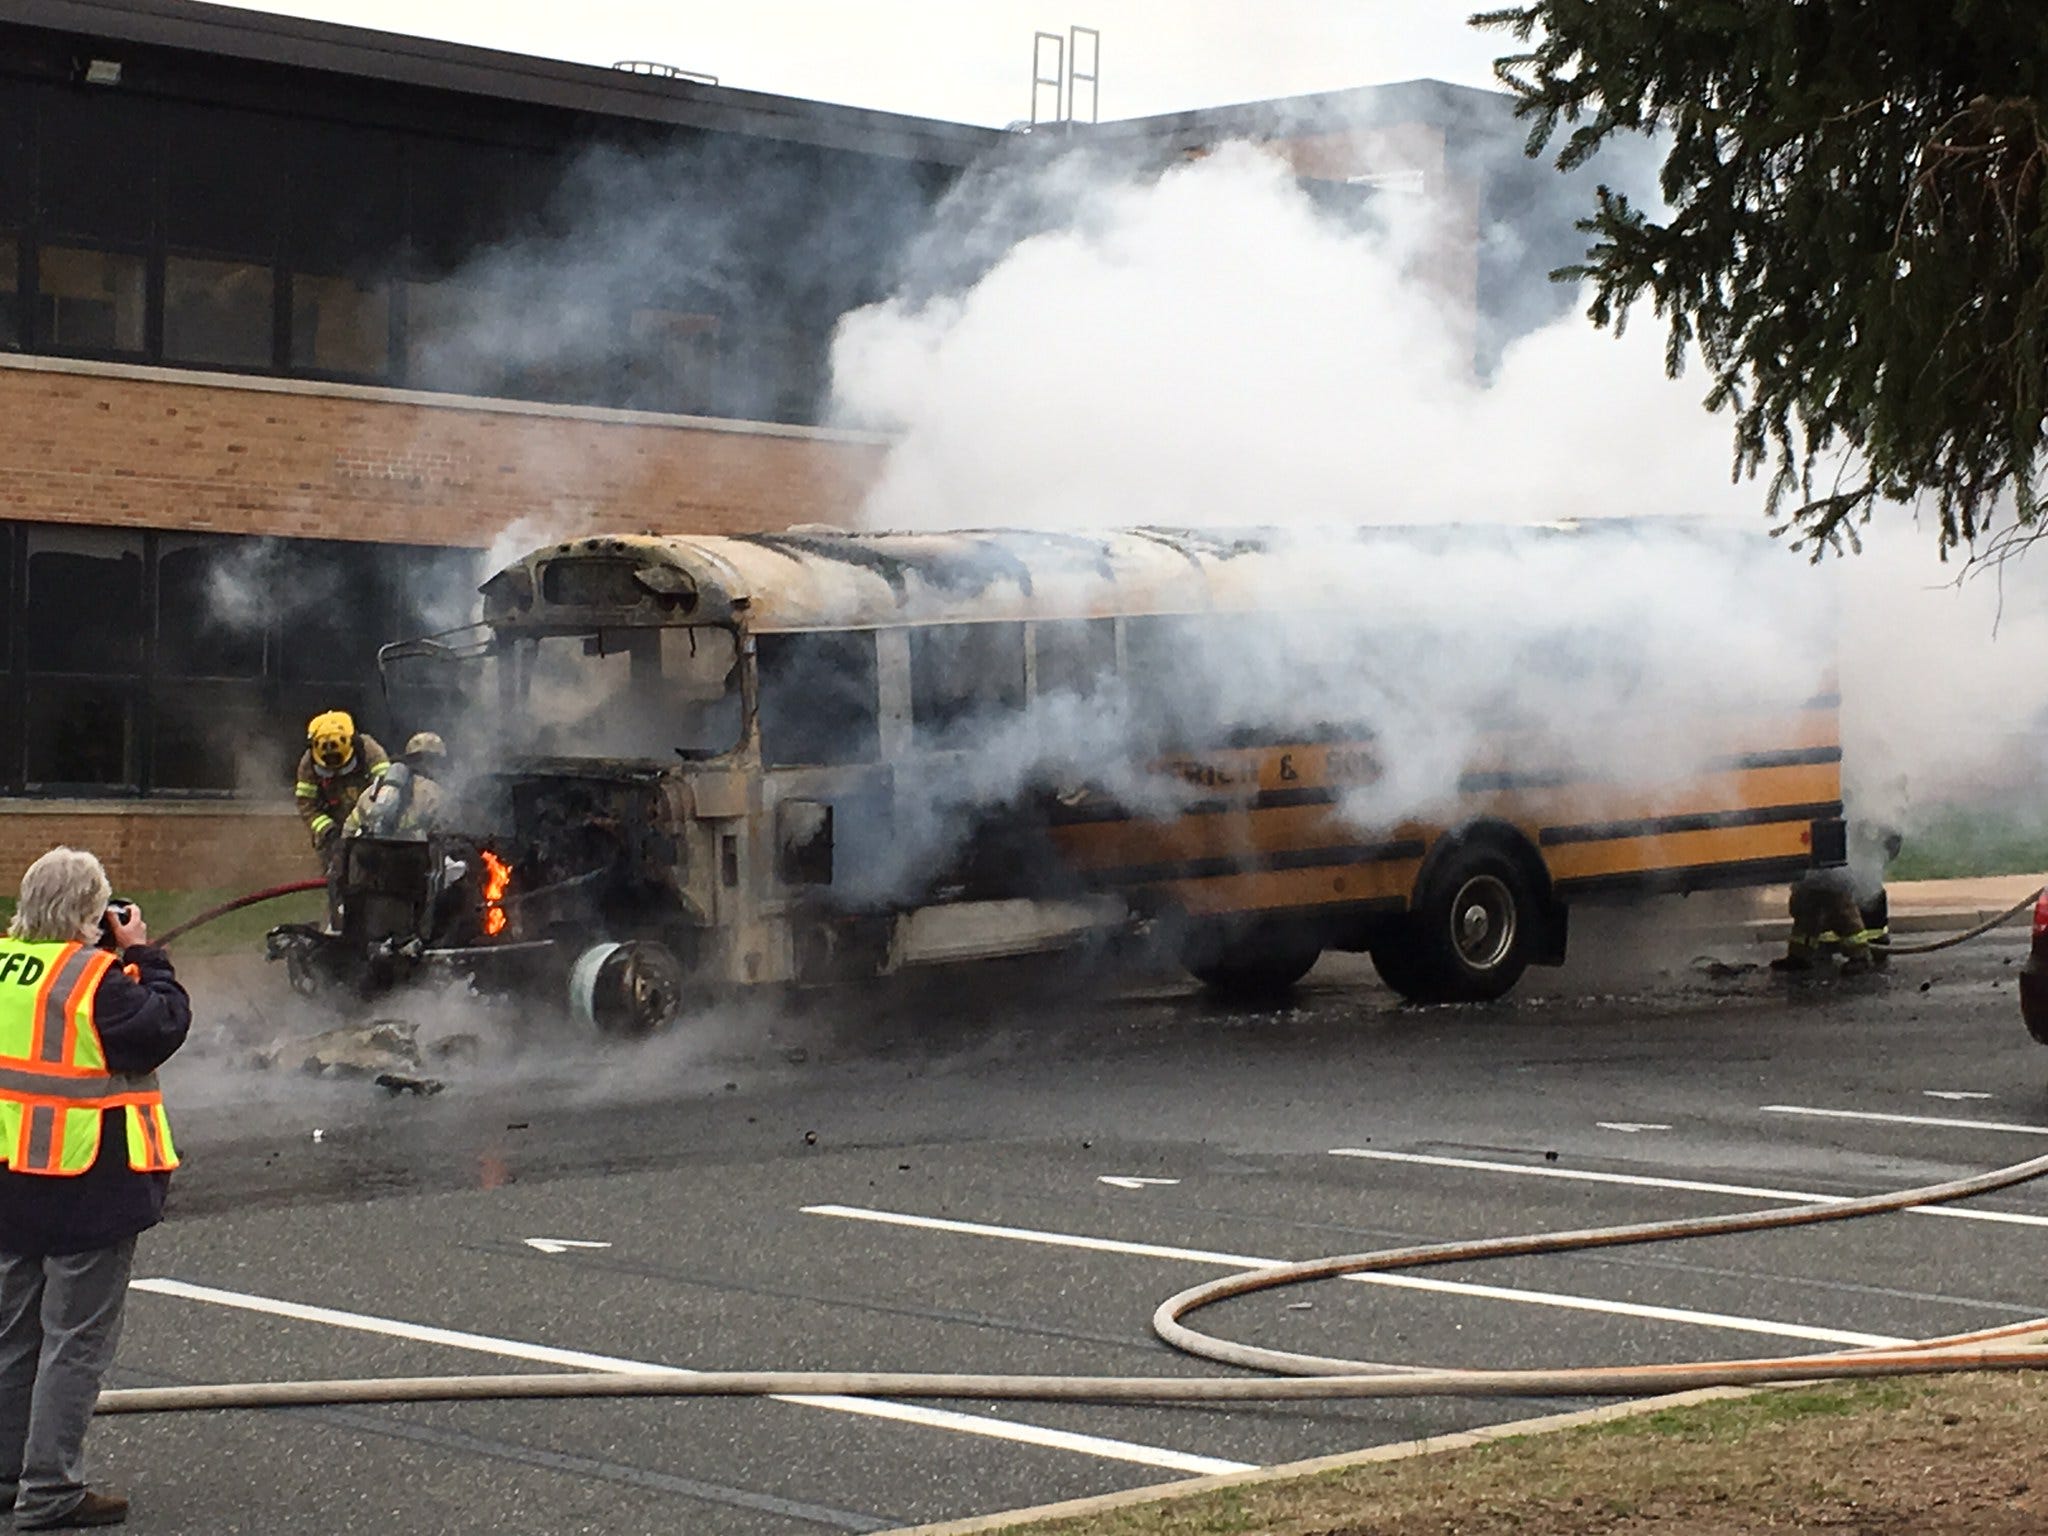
(727, 762)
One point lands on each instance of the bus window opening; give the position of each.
(654, 694)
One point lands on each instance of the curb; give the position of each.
(1160, 1493)
(1956, 920)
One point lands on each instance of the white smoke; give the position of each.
(1205, 347)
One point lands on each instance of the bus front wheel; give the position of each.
(1469, 936)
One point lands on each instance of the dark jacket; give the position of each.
(142, 1020)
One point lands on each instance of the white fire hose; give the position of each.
(1979, 931)
(1299, 1376)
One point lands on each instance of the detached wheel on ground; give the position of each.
(634, 988)
(1251, 962)
(1470, 934)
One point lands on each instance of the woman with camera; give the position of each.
(88, 1011)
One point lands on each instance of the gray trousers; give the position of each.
(60, 1319)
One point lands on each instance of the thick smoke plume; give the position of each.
(1210, 347)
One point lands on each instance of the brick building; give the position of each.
(298, 321)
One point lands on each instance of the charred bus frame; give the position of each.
(860, 680)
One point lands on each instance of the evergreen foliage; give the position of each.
(1855, 240)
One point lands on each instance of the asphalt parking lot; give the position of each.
(1009, 1177)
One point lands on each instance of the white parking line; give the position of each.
(1401, 1282)
(578, 1360)
(1697, 1186)
(1936, 1120)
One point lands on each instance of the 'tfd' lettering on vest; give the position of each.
(22, 970)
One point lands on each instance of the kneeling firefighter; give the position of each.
(406, 800)
(340, 762)
(1844, 910)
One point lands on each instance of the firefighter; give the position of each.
(340, 762)
(1844, 910)
(406, 801)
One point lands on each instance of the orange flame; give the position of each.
(497, 879)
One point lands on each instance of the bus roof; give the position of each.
(810, 578)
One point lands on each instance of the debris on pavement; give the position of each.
(359, 1050)
(396, 1083)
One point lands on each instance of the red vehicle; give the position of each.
(2034, 979)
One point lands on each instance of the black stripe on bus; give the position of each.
(1703, 821)
(1790, 757)
(1339, 857)
(1059, 815)
(1553, 778)
(1265, 800)
(1691, 877)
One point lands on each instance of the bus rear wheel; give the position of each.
(1252, 963)
(1469, 936)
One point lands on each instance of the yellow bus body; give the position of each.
(1263, 840)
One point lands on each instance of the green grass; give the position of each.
(1955, 843)
(1737, 1417)
(237, 932)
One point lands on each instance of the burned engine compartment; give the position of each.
(594, 849)
(549, 861)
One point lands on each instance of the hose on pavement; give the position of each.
(1977, 932)
(1299, 1376)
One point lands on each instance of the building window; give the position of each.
(90, 301)
(84, 601)
(10, 293)
(341, 325)
(672, 362)
(80, 732)
(215, 736)
(214, 600)
(333, 602)
(220, 312)
(774, 374)
(452, 337)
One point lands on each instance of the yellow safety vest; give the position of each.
(54, 1082)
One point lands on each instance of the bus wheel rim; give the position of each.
(1483, 922)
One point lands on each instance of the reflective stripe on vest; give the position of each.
(54, 1082)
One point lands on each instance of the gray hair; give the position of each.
(63, 896)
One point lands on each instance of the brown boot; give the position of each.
(93, 1509)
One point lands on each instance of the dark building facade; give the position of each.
(186, 185)
(295, 319)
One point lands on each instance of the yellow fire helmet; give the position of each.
(332, 737)
(425, 744)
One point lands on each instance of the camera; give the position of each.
(124, 910)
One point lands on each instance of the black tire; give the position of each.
(1251, 964)
(1470, 934)
(1394, 958)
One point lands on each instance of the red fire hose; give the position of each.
(254, 898)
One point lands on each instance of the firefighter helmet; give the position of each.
(332, 738)
(424, 744)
